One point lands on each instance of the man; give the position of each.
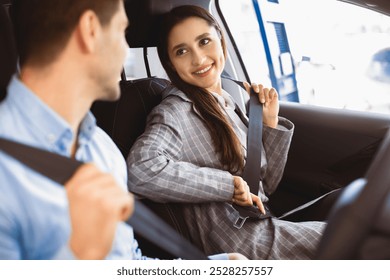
(71, 54)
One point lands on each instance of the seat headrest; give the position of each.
(125, 120)
(144, 16)
(8, 56)
(5, 2)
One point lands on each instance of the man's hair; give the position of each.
(43, 27)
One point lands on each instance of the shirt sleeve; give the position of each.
(65, 253)
(9, 246)
(156, 171)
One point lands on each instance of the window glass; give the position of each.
(134, 65)
(242, 21)
(340, 52)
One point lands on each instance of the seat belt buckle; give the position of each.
(240, 221)
(245, 212)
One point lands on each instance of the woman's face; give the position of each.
(196, 53)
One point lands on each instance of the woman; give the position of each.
(194, 147)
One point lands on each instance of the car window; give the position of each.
(135, 67)
(340, 53)
(242, 22)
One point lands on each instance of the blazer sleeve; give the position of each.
(276, 143)
(156, 171)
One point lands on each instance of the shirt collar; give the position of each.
(46, 125)
(225, 100)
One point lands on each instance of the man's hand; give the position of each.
(96, 205)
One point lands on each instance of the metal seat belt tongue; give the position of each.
(245, 212)
(240, 221)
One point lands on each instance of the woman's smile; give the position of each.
(203, 71)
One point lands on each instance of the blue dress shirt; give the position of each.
(34, 218)
(34, 214)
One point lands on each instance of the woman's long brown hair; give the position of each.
(223, 136)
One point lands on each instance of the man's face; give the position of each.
(111, 55)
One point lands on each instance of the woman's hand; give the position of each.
(242, 195)
(269, 98)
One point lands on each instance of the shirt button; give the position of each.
(51, 138)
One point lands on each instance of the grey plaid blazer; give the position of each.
(175, 161)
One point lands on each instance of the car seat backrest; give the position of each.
(8, 57)
(144, 18)
(125, 119)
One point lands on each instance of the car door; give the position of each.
(330, 148)
(332, 145)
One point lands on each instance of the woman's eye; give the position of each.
(180, 52)
(204, 41)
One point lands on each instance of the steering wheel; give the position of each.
(360, 205)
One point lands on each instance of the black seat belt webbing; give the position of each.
(251, 173)
(60, 169)
(51, 165)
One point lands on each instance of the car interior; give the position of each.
(331, 148)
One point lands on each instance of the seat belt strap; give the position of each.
(251, 173)
(60, 169)
(54, 166)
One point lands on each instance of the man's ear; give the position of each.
(89, 30)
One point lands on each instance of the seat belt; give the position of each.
(147, 224)
(251, 173)
(252, 167)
